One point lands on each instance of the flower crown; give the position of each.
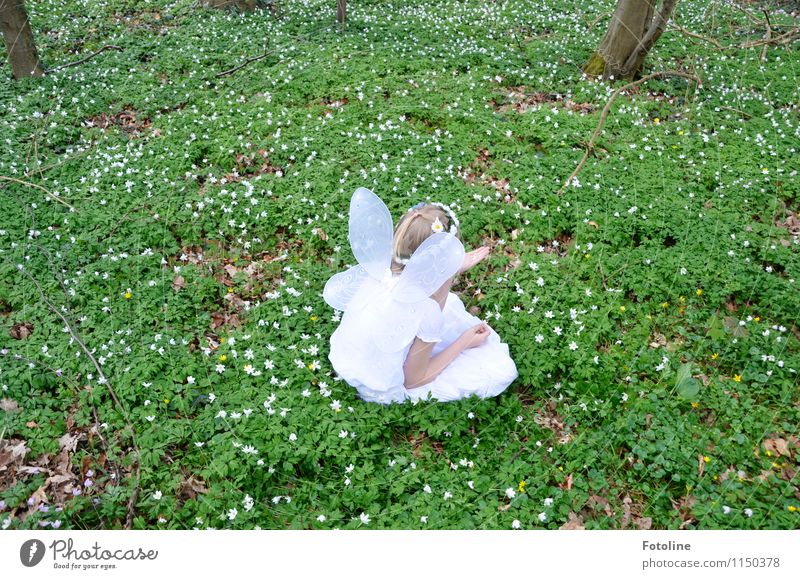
(436, 226)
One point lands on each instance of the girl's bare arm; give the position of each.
(420, 368)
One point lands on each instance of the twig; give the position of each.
(134, 497)
(245, 63)
(784, 38)
(698, 36)
(767, 36)
(599, 18)
(41, 169)
(78, 339)
(607, 108)
(82, 60)
(54, 197)
(748, 115)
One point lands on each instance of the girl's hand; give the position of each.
(476, 335)
(474, 257)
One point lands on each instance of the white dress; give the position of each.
(484, 371)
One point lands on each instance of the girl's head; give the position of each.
(415, 226)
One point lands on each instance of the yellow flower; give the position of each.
(680, 133)
(166, 400)
(769, 453)
(561, 468)
(664, 304)
(521, 486)
(706, 459)
(714, 356)
(775, 465)
(737, 378)
(586, 256)
(649, 317)
(128, 295)
(792, 508)
(656, 120)
(222, 358)
(222, 340)
(313, 318)
(311, 366)
(757, 319)
(716, 477)
(695, 404)
(230, 290)
(699, 292)
(622, 308)
(682, 299)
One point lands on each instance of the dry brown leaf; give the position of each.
(68, 442)
(574, 523)
(643, 523)
(595, 500)
(504, 507)
(178, 283)
(21, 331)
(38, 497)
(11, 451)
(31, 424)
(8, 405)
(57, 479)
(701, 465)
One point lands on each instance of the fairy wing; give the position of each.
(436, 260)
(370, 232)
(370, 235)
(340, 288)
(401, 308)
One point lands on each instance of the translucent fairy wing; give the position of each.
(437, 259)
(340, 288)
(371, 232)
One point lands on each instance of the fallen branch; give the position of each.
(120, 407)
(245, 63)
(82, 60)
(607, 108)
(80, 342)
(46, 192)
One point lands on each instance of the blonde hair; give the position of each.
(413, 228)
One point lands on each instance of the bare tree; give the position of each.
(341, 12)
(18, 37)
(635, 27)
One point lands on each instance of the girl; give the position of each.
(453, 354)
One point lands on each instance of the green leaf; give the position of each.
(687, 387)
(715, 328)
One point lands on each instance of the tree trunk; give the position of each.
(341, 12)
(19, 39)
(634, 29)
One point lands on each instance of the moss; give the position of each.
(595, 66)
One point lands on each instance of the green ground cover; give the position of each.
(651, 308)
